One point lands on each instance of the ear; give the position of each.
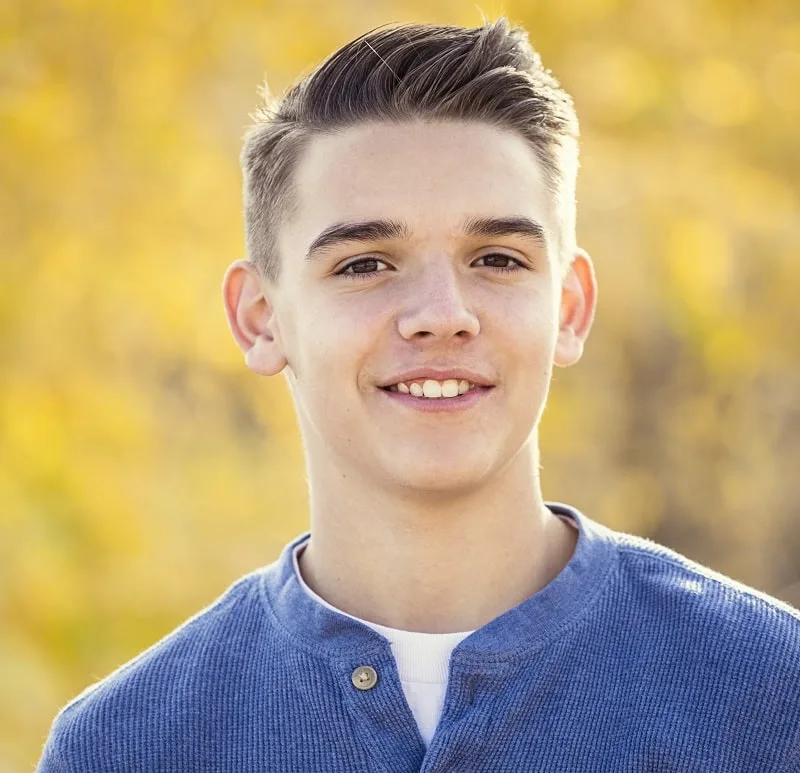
(578, 304)
(251, 318)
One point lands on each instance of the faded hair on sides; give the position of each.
(489, 74)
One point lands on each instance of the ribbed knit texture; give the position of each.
(634, 659)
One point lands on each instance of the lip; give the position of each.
(443, 404)
(440, 374)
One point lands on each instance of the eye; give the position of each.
(495, 258)
(363, 267)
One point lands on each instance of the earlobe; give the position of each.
(578, 303)
(251, 318)
(265, 356)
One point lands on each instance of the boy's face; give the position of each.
(353, 317)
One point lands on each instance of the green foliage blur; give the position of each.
(143, 468)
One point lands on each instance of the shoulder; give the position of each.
(152, 699)
(665, 578)
(707, 645)
(709, 618)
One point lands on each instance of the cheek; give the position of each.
(331, 339)
(528, 322)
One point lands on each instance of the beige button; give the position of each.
(365, 677)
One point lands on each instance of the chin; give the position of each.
(442, 479)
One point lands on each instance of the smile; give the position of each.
(432, 396)
(433, 390)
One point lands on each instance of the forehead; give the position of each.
(428, 174)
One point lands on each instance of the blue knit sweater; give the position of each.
(634, 659)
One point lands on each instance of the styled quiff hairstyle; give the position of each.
(488, 74)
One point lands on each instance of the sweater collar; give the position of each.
(521, 630)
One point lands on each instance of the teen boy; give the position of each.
(413, 272)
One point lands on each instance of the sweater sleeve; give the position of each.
(52, 761)
(74, 745)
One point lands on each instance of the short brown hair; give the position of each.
(404, 72)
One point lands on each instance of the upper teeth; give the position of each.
(431, 388)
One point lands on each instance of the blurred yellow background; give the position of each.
(143, 468)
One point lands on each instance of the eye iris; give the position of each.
(504, 260)
(365, 266)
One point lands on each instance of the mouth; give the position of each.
(431, 389)
(429, 395)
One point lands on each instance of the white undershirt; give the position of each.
(423, 660)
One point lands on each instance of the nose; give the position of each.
(437, 306)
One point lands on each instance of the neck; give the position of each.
(448, 565)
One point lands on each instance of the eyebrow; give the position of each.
(376, 230)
